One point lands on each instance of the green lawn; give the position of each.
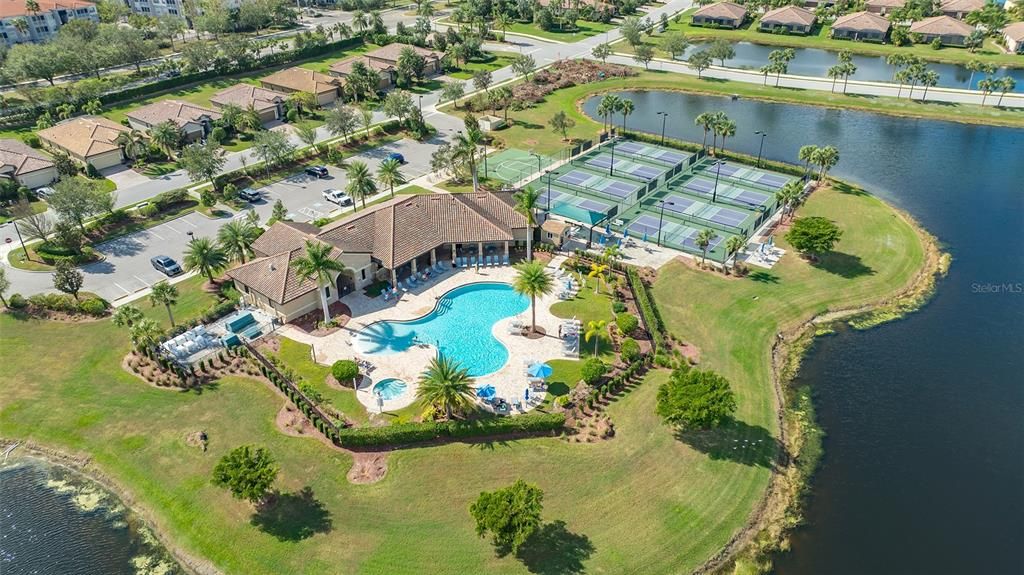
(495, 61)
(819, 38)
(583, 30)
(323, 63)
(297, 356)
(36, 206)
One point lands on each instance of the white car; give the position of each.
(44, 192)
(337, 197)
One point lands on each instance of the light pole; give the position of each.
(421, 106)
(761, 147)
(536, 155)
(548, 174)
(661, 220)
(664, 116)
(611, 165)
(718, 170)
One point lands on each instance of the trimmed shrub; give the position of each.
(292, 116)
(17, 301)
(345, 370)
(149, 210)
(618, 306)
(629, 351)
(218, 135)
(627, 322)
(404, 433)
(592, 370)
(93, 306)
(31, 140)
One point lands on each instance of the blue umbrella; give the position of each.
(625, 234)
(645, 236)
(526, 396)
(485, 392)
(541, 370)
(607, 229)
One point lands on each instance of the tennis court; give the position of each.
(649, 152)
(513, 165)
(617, 190)
(673, 234)
(642, 172)
(762, 179)
(725, 191)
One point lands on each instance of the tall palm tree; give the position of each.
(533, 280)
(502, 21)
(706, 121)
(165, 136)
(467, 146)
(526, 204)
(789, 195)
(806, 155)
(825, 158)
(733, 245)
(725, 129)
(318, 264)
(389, 173)
(717, 119)
(360, 182)
(236, 238)
(703, 241)
(627, 108)
(131, 142)
(127, 316)
(165, 294)
(595, 329)
(446, 385)
(608, 105)
(597, 271)
(145, 333)
(205, 257)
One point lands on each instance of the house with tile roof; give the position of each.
(89, 139)
(326, 88)
(883, 7)
(194, 121)
(1014, 36)
(948, 30)
(269, 104)
(387, 242)
(788, 20)
(25, 164)
(959, 9)
(385, 61)
(862, 25)
(720, 15)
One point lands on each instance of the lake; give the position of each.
(923, 466)
(57, 522)
(816, 62)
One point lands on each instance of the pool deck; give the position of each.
(510, 382)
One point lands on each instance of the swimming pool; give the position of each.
(460, 326)
(389, 388)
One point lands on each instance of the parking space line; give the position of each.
(121, 288)
(173, 228)
(185, 220)
(158, 236)
(144, 282)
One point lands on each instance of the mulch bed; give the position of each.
(340, 314)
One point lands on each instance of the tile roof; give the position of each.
(722, 10)
(391, 52)
(941, 26)
(176, 111)
(245, 95)
(302, 80)
(862, 21)
(789, 15)
(1014, 31)
(283, 236)
(15, 8)
(84, 136)
(961, 5)
(344, 67)
(886, 3)
(22, 158)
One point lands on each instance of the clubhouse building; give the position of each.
(388, 242)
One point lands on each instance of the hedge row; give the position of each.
(406, 433)
(649, 311)
(617, 383)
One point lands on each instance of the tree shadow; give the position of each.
(764, 277)
(554, 550)
(845, 188)
(735, 441)
(843, 265)
(293, 516)
(527, 125)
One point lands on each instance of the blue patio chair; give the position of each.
(472, 261)
(504, 260)
(385, 295)
(487, 261)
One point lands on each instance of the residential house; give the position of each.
(390, 241)
(818, 3)
(290, 80)
(385, 61)
(91, 140)
(25, 165)
(860, 26)
(269, 104)
(44, 23)
(948, 30)
(883, 7)
(720, 15)
(194, 121)
(959, 9)
(788, 19)
(1014, 36)
(387, 73)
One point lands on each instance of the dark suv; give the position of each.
(250, 195)
(166, 266)
(318, 171)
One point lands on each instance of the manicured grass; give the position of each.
(497, 60)
(413, 190)
(645, 500)
(588, 306)
(198, 94)
(583, 30)
(297, 356)
(16, 258)
(323, 63)
(37, 207)
(819, 38)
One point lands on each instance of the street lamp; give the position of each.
(536, 155)
(664, 116)
(548, 174)
(611, 164)
(421, 106)
(761, 147)
(718, 171)
(661, 220)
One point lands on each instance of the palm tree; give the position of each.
(626, 108)
(526, 204)
(502, 21)
(231, 116)
(466, 148)
(725, 129)
(145, 333)
(1004, 85)
(163, 293)
(597, 271)
(389, 173)
(733, 245)
(607, 106)
(825, 158)
(806, 155)
(446, 385)
(717, 119)
(127, 316)
(165, 136)
(703, 240)
(789, 195)
(595, 329)
(131, 142)
(236, 238)
(319, 265)
(250, 120)
(706, 121)
(360, 182)
(205, 257)
(533, 280)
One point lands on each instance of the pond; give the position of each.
(816, 62)
(923, 458)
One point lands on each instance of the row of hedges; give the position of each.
(64, 303)
(618, 382)
(406, 433)
(649, 311)
(51, 253)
